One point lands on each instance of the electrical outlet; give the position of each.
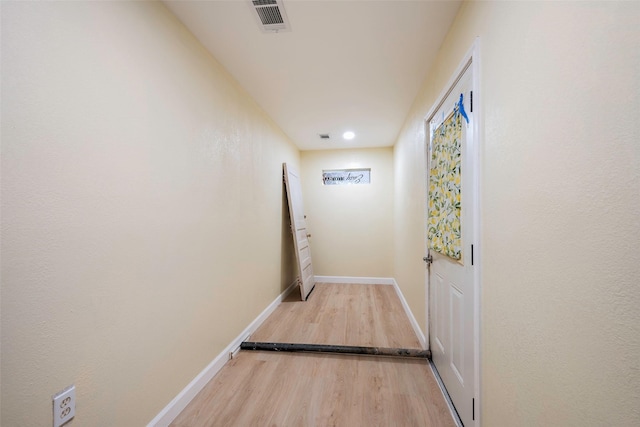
(64, 406)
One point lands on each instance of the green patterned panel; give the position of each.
(444, 189)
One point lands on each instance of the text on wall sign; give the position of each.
(346, 176)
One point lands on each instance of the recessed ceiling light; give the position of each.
(348, 135)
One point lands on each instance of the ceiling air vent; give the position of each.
(271, 15)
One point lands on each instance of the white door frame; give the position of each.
(471, 60)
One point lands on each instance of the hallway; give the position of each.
(145, 227)
(282, 389)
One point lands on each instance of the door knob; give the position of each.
(308, 235)
(428, 259)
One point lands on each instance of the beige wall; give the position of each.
(351, 226)
(139, 181)
(560, 208)
(142, 201)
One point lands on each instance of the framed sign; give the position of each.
(346, 176)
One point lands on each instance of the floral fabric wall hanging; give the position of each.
(443, 228)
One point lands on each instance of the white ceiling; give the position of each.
(345, 65)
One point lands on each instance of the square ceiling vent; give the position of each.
(271, 16)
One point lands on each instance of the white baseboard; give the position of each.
(356, 280)
(445, 395)
(412, 319)
(177, 405)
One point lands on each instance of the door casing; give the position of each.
(470, 60)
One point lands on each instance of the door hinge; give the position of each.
(471, 254)
(473, 409)
(471, 101)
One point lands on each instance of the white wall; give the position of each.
(351, 226)
(560, 208)
(142, 210)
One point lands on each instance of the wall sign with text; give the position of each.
(346, 176)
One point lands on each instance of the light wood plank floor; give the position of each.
(295, 389)
(303, 389)
(341, 314)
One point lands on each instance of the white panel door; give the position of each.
(451, 280)
(306, 279)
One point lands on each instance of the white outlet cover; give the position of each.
(64, 406)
